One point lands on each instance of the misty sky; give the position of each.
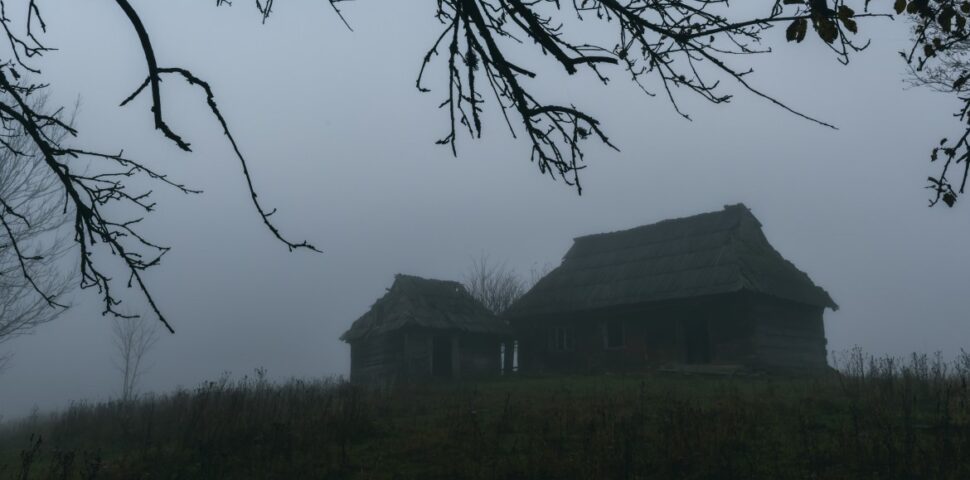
(341, 142)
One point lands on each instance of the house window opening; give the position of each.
(561, 339)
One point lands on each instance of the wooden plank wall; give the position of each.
(375, 360)
(407, 356)
(653, 335)
(789, 335)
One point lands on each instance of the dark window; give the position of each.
(561, 339)
(614, 333)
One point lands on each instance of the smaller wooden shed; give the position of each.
(425, 329)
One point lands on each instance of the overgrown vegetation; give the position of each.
(872, 418)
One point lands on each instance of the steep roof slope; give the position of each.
(420, 302)
(710, 253)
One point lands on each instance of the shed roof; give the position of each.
(425, 303)
(710, 253)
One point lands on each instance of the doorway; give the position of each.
(697, 340)
(441, 356)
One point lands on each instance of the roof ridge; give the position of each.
(704, 254)
(625, 262)
(657, 275)
(727, 209)
(645, 244)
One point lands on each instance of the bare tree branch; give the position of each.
(695, 47)
(940, 59)
(493, 284)
(91, 184)
(680, 44)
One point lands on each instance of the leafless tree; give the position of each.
(33, 242)
(494, 284)
(940, 59)
(133, 339)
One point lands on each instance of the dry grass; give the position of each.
(874, 418)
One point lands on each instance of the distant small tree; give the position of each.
(133, 339)
(494, 284)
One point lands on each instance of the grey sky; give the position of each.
(341, 142)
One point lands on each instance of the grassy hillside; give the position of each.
(876, 419)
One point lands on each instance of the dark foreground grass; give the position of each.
(877, 418)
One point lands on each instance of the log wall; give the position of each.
(789, 336)
(653, 335)
(375, 360)
(408, 355)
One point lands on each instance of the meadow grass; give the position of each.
(870, 418)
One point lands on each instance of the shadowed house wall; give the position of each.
(410, 356)
(706, 289)
(746, 330)
(423, 330)
(788, 335)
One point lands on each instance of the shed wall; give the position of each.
(408, 356)
(375, 359)
(788, 335)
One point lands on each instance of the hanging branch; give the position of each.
(214, 108)
(940, 59)
(679, 43)
(90, 196)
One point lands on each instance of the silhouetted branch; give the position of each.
(210, 101)
(87, 194)
(680, 43)
(153, 79)
(940, 59)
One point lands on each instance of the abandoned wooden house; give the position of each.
(705, 289)
(425, 329)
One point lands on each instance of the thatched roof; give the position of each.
(706, 254)
(425, 303)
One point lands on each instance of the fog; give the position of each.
(342, 144)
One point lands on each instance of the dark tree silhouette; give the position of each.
(95, 185)
(940, 59)
(663, 46)
(682, 45)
